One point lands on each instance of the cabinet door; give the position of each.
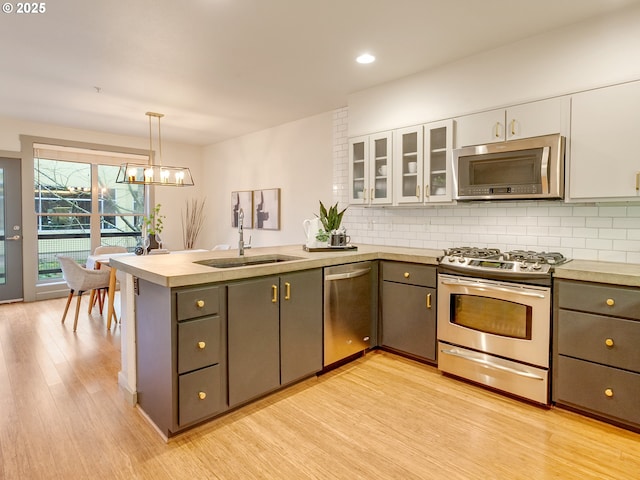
(534, 119)
(438, 145)
(358, 169)
(604, 131)
(480, 128)
(254, 339)
(409, 164)
(380, 168)
(300, 325)
(408, 319)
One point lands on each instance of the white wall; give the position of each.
(172, 199)
(586, 55)
(295, 157)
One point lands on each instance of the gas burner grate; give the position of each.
(529, 256)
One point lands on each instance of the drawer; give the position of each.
(603, 299)
(584, 385)
(606, 340)
(409, 273)
(197, 302)
(199, 343)
(200, 394)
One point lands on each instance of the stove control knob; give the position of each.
(536, 266)
(461, 260)
(451, 259)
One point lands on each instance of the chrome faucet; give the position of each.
(241, 245)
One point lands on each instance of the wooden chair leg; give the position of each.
(75, 322)
(92, 300)
(66, 308)
(101, 296)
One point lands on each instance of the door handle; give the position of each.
(429, 301)
(274, 294)
(14, 238)
(287, 291)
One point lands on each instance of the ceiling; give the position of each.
(219, 69)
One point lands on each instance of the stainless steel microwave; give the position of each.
(530, 168)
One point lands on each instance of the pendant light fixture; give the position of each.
(151, 174)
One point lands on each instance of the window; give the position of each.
(79, 206)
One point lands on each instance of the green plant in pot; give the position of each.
(153, 227)
(330, 220)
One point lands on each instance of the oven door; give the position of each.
(499, 318)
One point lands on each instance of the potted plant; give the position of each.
(330, 220)
(153, 226)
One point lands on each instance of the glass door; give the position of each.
(409, 164)
(380, 170)
(10, 230)
(358, 170)
(438, 140)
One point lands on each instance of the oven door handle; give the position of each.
(495, 366)
(489, 287)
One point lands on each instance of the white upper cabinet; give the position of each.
(438, 146)
(423, 163)
(370, 169)
(605, 161)
(409, 165)
(521, 121)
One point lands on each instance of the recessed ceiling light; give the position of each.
(366, 58)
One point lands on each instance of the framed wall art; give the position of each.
(242, 200)
(266, 209)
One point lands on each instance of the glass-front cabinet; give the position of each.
(423, 169)
(438, 145)
(370, 169)
(409, 164)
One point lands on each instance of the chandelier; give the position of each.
(151, 174)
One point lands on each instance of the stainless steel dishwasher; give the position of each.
(349, 307)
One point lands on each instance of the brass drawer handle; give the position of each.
(200, 303)
(201, 345)
(287, 291)
(608, 392)
(406, 274)
(202, 395)
(609, 342)
(610, 302)
(429, 301)
(274, 294)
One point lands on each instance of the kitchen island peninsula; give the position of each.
(195, 324)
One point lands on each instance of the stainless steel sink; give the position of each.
(246, 261)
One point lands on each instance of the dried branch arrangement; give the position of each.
(192, 222)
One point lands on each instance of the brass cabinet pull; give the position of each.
(406, 274)
(200, 303)
(418, 191)
(608, 392)
(428, 300)
(373, 194)
(202, 395)
(274, 294)
(610, 302)
(426, 190)
(364, 194)
(287, 291)
(637, 181)
(497, 128)
(609, 342)
(202, 345)
(513, 127)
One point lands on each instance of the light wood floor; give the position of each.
(381, 417)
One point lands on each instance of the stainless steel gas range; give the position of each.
(494, 318)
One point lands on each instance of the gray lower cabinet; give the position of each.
(274, 332)
(181, 354)
(596, 359)
(409, 309)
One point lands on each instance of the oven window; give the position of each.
(492, 315)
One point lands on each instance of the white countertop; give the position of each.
(601, 272)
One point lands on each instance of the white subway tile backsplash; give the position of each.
(581, 231)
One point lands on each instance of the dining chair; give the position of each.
(97, 296)
(80, 280)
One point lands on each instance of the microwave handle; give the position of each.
(544, 170)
